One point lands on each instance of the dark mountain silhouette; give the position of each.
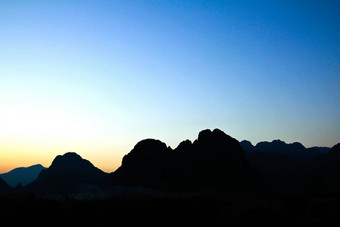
(213, 161)
(295, 151)
(324, 176)
(4, 187)
(335, 151)
(65, 175)
(22, 175)
(274, 158)
(292, 168)
(247, 146)
(319, 150)
(332, 163)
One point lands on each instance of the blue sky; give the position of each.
(95, 77)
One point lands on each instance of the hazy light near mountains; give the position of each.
(96, 77)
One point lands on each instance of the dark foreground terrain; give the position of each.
(27, 210)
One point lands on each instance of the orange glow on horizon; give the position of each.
(23, 155)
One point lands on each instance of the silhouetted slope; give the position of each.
(325, 174)
(66, 174)
(332, 164)
(4, 187)
(213, 161)
(247, 146)
(335, 151)
(22, 175)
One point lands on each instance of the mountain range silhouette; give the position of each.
(295, 151)
(292, 168)
(214, 162)
(212, 180)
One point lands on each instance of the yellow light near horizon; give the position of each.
(36, 134)
(24, 154)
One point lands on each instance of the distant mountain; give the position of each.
(292, 168)
(319, 150)
(22, 175)
(213, 161)
(295, 151)
(65, 175)
(4, 187)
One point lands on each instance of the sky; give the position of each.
(96, 77)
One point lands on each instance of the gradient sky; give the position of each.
(96, 77)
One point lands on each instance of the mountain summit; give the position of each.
(66, 173)
(215, 160)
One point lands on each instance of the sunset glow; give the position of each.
(96, 77)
